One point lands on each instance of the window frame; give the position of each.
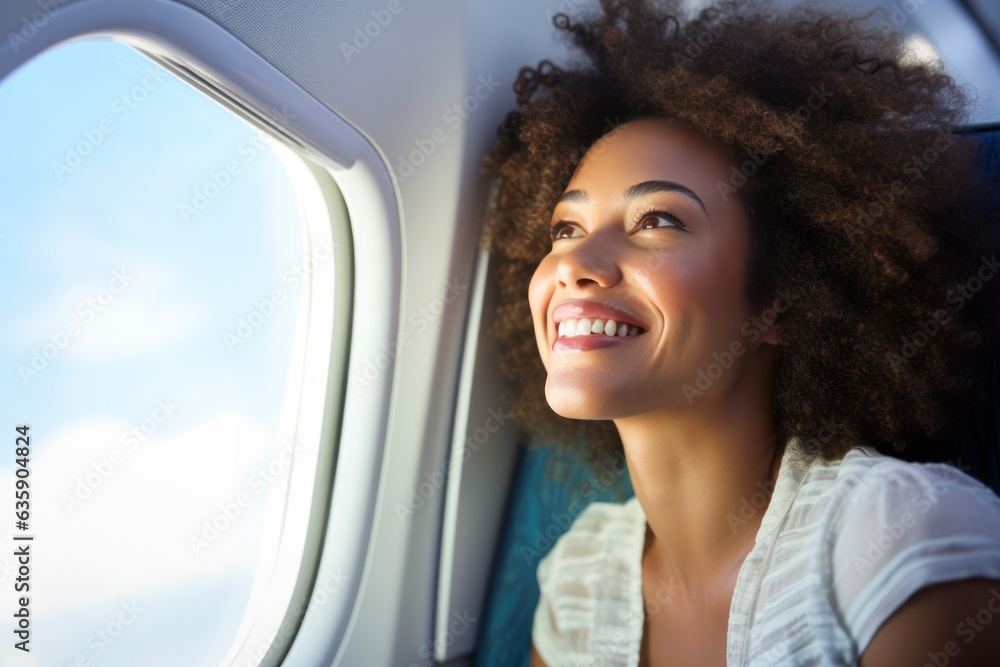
(343, 161)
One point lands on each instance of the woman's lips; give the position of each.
(591, 310)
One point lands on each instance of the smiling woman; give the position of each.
(732, 287)
(649, 227)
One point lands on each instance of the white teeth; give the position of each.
(586, 327)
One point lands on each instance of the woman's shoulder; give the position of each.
(904, 508)
(865, 476)
(893, 527)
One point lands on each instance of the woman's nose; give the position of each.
(590, 260)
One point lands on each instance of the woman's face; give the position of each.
(644, 232)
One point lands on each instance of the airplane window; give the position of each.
(157, 274)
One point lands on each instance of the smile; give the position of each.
(569, 328)
(586, 334)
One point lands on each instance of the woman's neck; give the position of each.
(704, 477)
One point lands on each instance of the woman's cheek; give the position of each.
(539, 291)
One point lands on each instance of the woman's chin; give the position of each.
(577, 403)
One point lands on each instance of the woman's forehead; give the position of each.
(650, 149)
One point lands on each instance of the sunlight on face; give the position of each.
(642, 228)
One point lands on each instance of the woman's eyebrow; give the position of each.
(639, 190)
(649, 187)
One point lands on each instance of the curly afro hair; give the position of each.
(863, 202)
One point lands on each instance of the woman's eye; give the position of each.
(654, 219)
(558, 229)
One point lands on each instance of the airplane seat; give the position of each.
(552, 485)
(971, 440)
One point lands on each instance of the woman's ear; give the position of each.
(767, 334)
(770, 335)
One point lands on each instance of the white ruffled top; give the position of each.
(840, 547)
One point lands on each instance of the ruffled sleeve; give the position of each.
(590, 603)
(905, 526)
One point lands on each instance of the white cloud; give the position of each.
(131, 536)
(114, 318)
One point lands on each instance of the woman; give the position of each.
(744, 238)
